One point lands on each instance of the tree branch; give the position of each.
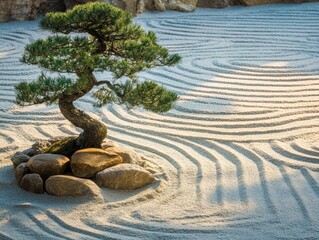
(99, 83)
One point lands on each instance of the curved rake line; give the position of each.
(45, 228)
(229, 156)
(310, 180)
(78, 230)
(294, 193)
(261, 171)
(199, 175)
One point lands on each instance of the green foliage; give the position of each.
(108, 41)
(148, 94)
(105, 19)
(47, 90)
(63, 54)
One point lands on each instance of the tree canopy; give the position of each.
(112, 42)
(95, 37)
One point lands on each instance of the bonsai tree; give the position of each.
(108, 41)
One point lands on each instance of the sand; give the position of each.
(237, 157)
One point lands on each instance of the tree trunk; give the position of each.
(94, 131)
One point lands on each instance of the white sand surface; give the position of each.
(237, 157)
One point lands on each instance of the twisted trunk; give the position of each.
(94, 131)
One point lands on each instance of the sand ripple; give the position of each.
(237, 157)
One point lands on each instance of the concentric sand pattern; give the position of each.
(237, 157)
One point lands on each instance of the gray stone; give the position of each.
(32, 183)
(20, 171)
(19, 158)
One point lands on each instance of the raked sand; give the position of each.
(237, 157)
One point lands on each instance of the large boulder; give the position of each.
(22, 10)
(20, 171)
(48, 164)
(30, 9)
(69, 186)
(87, 162)
(182, 5)
(216, 3)
(124, 176)
(19, 158)
(72, 3)
(32, 183)
(128, 5)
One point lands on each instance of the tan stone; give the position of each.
(69, 186)
(159, 5)
(127, 155)
(48, 164)
(87, 162)
(107, 143)
(32, 183)
(20, 171)
(124, 176)
(140, 6)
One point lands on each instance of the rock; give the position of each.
(72, 3)
(32, 183)
(140, 6)
(20, 171)
(48, 164)
(21, 10)
(87, 162)
(43, 146)
(29, 152)
(19, 158)
(261, 2)
(30, 9)
(107, 143)
(216, 3)
(124, 176)
(127, 155)
(181, 7)
(128, 5)
(69, 186)
(159, 5)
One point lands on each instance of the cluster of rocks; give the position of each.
(114, 167)
(30, 9)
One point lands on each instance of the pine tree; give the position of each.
(108, 41)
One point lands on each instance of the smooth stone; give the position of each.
(124, 176)
(87, 162)
(127, 155)
(70, 186)
(48, 164)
